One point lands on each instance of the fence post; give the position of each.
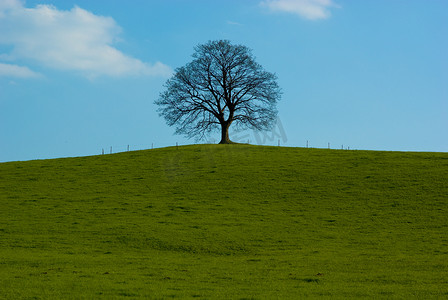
(128, 148)
(110, 149)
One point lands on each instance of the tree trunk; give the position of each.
(225, 133)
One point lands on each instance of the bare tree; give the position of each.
(223, 85)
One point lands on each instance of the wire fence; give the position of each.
(128, 147)
(275, 137)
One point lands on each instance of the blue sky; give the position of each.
(80, 76)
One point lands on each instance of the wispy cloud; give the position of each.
(8, 70)
(308, 9)
(234, 23)
(6, 5)
(74, 40)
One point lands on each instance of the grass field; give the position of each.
(226, 222)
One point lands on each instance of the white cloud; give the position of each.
(74, 40)
(8, 70)
(234, 23)
(308, 9)
(6, 5)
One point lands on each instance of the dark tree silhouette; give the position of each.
(223, 85)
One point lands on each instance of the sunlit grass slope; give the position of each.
(228, 222)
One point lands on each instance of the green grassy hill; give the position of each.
(226, 221)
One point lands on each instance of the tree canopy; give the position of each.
(222, 85)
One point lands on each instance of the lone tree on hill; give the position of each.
(221, 86)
